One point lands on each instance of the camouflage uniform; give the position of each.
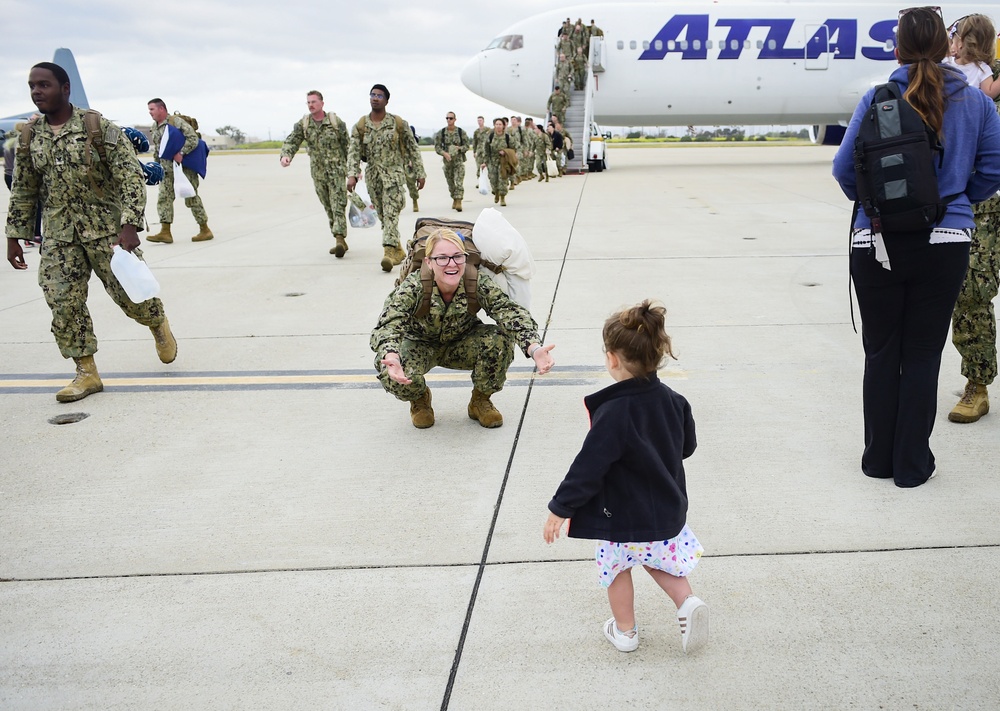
(523, 145)
(165, 198)
(974, 323)
(489, 153)
(327, 141)
(543, 146)
(478, 137)
(579, 64)
(450, 337)
(387, 151)
(456, 144)
(557, 104)
(564, 75)
(80, 225)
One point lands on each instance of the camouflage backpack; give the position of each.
(414, 261)
(95, 138)
(190, 120)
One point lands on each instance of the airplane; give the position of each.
(708, 63)
(77, 96)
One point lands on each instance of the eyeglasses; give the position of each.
(442, 261)
(373, 95)
(449, 118)
(932, 8)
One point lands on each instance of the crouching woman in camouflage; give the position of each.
(407, 346)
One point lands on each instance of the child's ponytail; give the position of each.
(637, 335)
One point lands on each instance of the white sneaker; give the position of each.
(693, 619)
(622, 641)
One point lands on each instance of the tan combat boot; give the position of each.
(421, 413)
(503, 201)
(973, 405)
(482, 410)
(166, 344)
(458, 205)
(416, 208)
(541, 177)
(388, 253)
(339, 249)
(204, 234)
(87, 381)
(496, 197)
(163, 235)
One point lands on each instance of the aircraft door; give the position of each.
(817, 47)
(598, 58)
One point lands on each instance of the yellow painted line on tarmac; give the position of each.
(166, 381)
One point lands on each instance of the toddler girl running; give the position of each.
(626, 486)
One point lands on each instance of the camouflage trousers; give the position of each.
(974, 323)
(331, 189)
(165, 199)
(64, 275)
(454, 175)
(497, 183)
(486, 351)
(541, 164)
(386, 191)
(411, 186)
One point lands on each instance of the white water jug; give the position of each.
(134, 276)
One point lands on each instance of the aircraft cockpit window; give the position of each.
(509, 42)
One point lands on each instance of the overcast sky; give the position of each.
(250, 63)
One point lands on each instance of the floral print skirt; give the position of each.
(677, 556)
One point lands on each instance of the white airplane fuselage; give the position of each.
(708, 63)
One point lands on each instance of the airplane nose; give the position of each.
(472, 76)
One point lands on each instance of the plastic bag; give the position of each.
(134, 276)
(182, 186)
(361, 212)
(484, 183)
(498, 241)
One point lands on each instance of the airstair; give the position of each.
(580, 114)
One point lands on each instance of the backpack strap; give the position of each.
(471, 279)
(24, 143)
(427, 286)
(95, 139)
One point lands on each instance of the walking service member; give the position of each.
(407, 345)
(907, 282)
(385, 144)
(326, 135)
(626, 488)
(93, 198)
(452, 144)
(165, 198)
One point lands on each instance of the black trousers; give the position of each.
(905, 316)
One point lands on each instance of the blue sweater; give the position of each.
(971, 139)
(627, 483)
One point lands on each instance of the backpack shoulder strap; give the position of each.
(427, 287)
(360, 126)
(95, 139)
(27, 130)
(471, 278)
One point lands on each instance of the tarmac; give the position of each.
(258, 525)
